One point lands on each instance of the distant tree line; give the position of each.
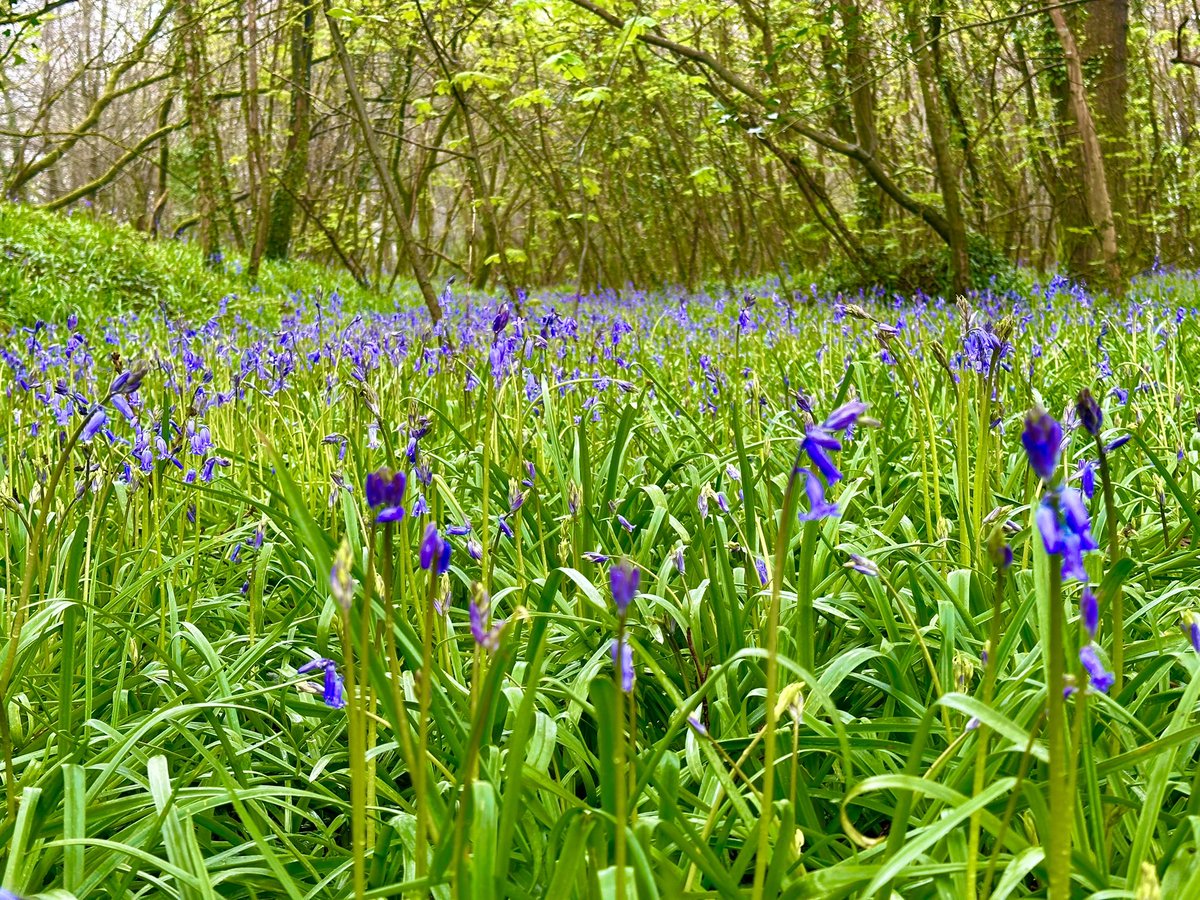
(918, 143)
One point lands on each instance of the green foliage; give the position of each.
(51, 265)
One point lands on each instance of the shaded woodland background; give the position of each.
(922, 143)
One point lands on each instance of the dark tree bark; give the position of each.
(294, 168)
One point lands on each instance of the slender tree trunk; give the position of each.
(379, 160)
(943, 153)
(294, 169)
(1095, 185)
(196, 101)
(1106, 52)
(256, 162)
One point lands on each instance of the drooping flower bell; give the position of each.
(385, 492)
(819, 440)
(818, 506)
(622, 656)
(334, 688)
(434, 550)
(1042, 438)
(1091, 417)
(623, 580)
(1100, 677)
(1191, 628)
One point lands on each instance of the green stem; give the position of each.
(786, 515)
(1058, 839)
(1114, 556)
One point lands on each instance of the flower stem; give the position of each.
(1058, 840)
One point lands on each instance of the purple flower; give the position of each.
(1087, 477)
(623, 580)
(505, 528)
(127, 382)
(500, 322)
(1089, 611)
(385, 491)
(485, 633)
(625, 523)
(678, 560)
(862, 565)
(93, 425)
(1191, 626)
(1101, 678)
(432, 547)
(622, 657)
(816, 444)
(335, 694)
(818, 508)
(1043, 440)
(459, 530)
(1090, 415)
(845, 416)
(1117, 444)
(760, 566)
(693, 720)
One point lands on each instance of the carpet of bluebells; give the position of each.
(641, 595)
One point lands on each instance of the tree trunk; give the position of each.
(943, 153)
(196, 101)
(403, 224)
(295, 155)
(1106, 52)
(1095, 185)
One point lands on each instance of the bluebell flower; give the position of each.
(1100, 677)
(505, 528)
(1117, 444)
(622, 656)
(623, 580)
(459, 530)
(385, 492)
(760, 566)
(862, 565)
(1087, 477)
(94, 424)
(431, 549)
(1063, 522)
(483, 630)
(335, 694)
(818, 507)
(1089, 612)
(1191, 627)
(1090, 415)
(625, 523)
(1042, 438)
(678, 560)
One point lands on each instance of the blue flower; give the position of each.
(622, 656)
(1191, 627)
(434, 550)
(1101, 678)
(1090, 415)
(483, 630)
(623, 580)
(1063, 522)
(335, 694)
(818, 507)
(385, 492)
(1089, 611)
(1087, 477)
(93, 425)
(1043, 441)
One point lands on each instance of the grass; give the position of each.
(51, 265)
(160, 741)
